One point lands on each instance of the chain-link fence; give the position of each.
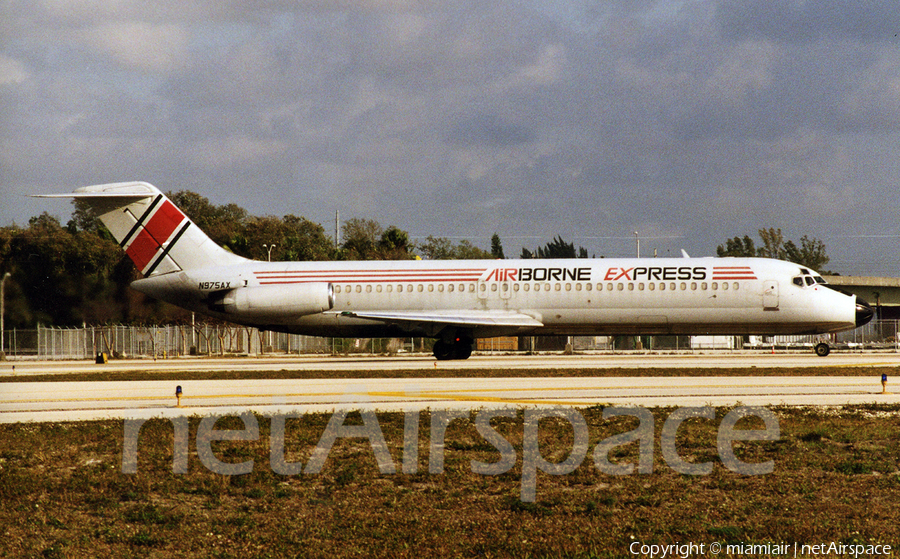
(215, 340)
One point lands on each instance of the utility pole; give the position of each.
(3, 314)
(337, 230)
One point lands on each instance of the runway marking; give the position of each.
(195, 396)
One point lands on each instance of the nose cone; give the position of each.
(864, 313)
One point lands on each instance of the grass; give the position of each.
(63, 493)
(426, 372)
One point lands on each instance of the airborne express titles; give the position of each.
(655, 273)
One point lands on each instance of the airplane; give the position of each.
(458, 301)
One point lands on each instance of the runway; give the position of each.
(77, 401)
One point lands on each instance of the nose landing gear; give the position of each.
(822, 349)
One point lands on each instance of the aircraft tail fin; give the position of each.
(157, 236)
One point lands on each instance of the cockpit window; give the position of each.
(820, 280)
(807, 280)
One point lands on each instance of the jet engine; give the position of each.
(276, 301)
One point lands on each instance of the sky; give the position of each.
(685, 122)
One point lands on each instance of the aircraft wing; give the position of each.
(455, 318)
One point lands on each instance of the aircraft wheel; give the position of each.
(822, 349)
(443, 351)
(462, 350)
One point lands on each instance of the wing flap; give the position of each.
(456, 318)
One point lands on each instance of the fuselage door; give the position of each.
(770, 295)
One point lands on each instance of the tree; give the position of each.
(360, 238)
(557, 248)
(394, 244)
(437, 248)
(810, 253)
(496, 247)
(440, 248)
(739, 247)
(773, 243)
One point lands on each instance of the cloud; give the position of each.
(12, 71)
(140, 45)
(453, 117)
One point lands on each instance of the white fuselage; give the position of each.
(572, 296)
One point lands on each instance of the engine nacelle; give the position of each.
(277, 301)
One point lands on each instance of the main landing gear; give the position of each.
(457, 348)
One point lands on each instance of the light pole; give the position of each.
(638, 239)
(3, 314)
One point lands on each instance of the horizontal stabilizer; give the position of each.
(135, 190)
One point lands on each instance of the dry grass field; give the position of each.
(63, 493)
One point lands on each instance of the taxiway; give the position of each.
(77, 401)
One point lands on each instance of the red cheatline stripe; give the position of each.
(361, 280)
(733, 272)
(369, 272)
(409, 274)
